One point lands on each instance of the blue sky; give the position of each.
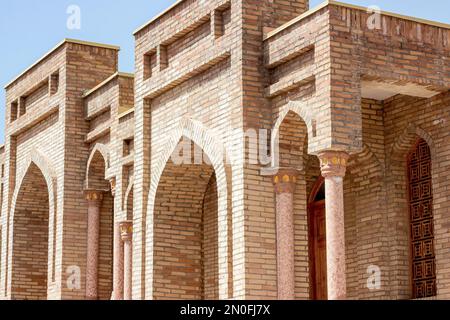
(30, 28)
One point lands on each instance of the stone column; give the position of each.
(117, 264)
(333, 166)
(126, 232)
(117, 293)
(284, 181)
(94, 199)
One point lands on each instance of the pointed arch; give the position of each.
(214, 149)
(316, 189)
(367, 160)
(48, 171)
(34, 202)
(205, 138)
(302, 111)
(103, 150)
(407, 139)
(46, 168)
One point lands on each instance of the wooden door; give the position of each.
(318, 254)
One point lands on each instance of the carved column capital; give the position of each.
(333, 163)
(126, 230)
(284, 180)
(94, 197)
(112, 182)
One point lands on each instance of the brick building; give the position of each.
(314, 148)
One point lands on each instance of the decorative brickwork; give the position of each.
(244, 90)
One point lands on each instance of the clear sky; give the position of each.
(30, 28)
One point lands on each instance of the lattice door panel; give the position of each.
(421, 215)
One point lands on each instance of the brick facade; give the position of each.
(224, 93)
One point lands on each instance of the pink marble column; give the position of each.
(333, 166)
(117, 293)
(94, 199)
(118, 264)
(284, 182)
(126, 231)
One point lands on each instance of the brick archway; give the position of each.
(29, 275)
(99, 156)
(292, 110)
(185, 233)
(407, 139)
(33, 217)
(49, 174)
(215, 151)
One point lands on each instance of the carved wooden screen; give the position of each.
(421, 218)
